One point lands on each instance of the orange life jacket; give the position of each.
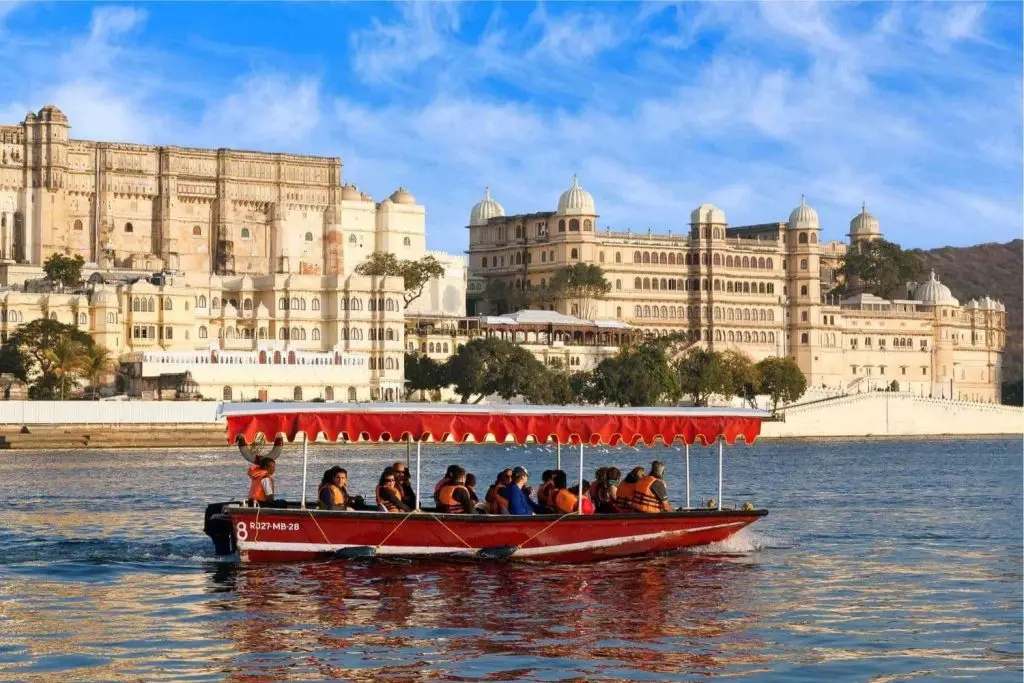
(644, 499)
(496, 503)
(624, 496)
(565, 501)
(544, 492)
(446, 499)
(337, 497)
(385, 503)
(257, 474)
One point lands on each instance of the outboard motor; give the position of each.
(217, 526)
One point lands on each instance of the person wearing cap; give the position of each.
(518, 495)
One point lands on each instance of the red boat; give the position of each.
(298, 532)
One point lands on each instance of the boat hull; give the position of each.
(276, 535)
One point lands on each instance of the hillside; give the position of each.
(996, 270)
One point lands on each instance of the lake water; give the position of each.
(880, 561)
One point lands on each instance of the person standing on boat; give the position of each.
(454, 497)
(624, 491)
(389, 499)
(261, 482)
(519, 502)
(651, 494)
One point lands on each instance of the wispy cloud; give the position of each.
(914, 107)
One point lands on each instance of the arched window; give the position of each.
(654, 283)
(637, 258)
(309, 237)
(352, 394)
(761, 262)
(647, 311)
(406, 242)
(128, 227)
(294, 303)
(803, 264)
(202, 332)
(803, 290)
(519, 259)
(574, 254)
(246, 234)
(168, 304)
(227, 393)
(82, 319)
(78, 225)
(647, 257)
(746, 288)
(574, 225)
(215, 303)
(663, 258)
(297, 393)
(647, 283)
(638, 312)
(247, 304)
(197, 231)
(671, 259)
(618, 257)
(638, 283)
(202, 302)
(561, 225)
(745, 263)
(814, 238)
(718, 285)
(600, 257)
(151, 305)
(760, 288)
(802, 239)
(770, 288)
(769, 264)
(587, 225)
(728, 261)
(803, 338)
(316, 304)
(282, 333)
(717, 260)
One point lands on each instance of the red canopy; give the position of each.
(418, 422)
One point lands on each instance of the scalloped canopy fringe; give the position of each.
(591, 428)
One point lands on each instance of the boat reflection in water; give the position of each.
(685, 614)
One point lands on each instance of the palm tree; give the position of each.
(66, 357)
(97, 362)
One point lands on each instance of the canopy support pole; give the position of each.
(305, 467)
(558, 455)
(719, 474)
(687, 476)
(579, 488)
(408, 451)
(417, 475)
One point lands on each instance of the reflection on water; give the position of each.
(880, 561)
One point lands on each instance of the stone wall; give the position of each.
(894, 414)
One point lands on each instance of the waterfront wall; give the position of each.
(894, 414)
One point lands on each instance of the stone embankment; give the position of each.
(155, 424)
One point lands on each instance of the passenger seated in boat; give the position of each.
(606, 490)
(496, 503)
(518, 494)
(651, 494)
(547, 486)
(444, 481)
(471, 485)
(566, 499)
(598, 479)
(332, 494)
(261, 482)
(453, 498)
(404, 485)
(388, 497)
(624, 491)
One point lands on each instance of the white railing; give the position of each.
(108, 412)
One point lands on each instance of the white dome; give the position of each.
(934, 292)
(864, 224)
(402, 196)
(707, 213)
(485, 209)
(351, 193)
(576, 201)
(803, 217)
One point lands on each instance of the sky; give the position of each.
(914, 107)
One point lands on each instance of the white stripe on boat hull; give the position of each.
(408, 550)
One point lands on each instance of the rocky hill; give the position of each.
(995, 270)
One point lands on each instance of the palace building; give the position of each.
(212, 262)
(759, 289)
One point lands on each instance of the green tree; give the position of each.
(67, 360)
(415, 274)
(64, 271)
(503, 298)
(581, 282)
(423, 373)
(781, 379)
(1013, 392)
(25, 353)
(97, 363)
(639, 376)
(493, 366)
(879, 267)
(702, 373)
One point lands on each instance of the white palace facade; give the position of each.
(759, 289)
(236, 267)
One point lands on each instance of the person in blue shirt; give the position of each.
(517, 495)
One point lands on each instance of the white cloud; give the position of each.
(386, 51)
(573, 36)
(265, 111)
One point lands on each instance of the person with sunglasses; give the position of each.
(389, 498)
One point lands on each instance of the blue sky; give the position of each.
(913, 107)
